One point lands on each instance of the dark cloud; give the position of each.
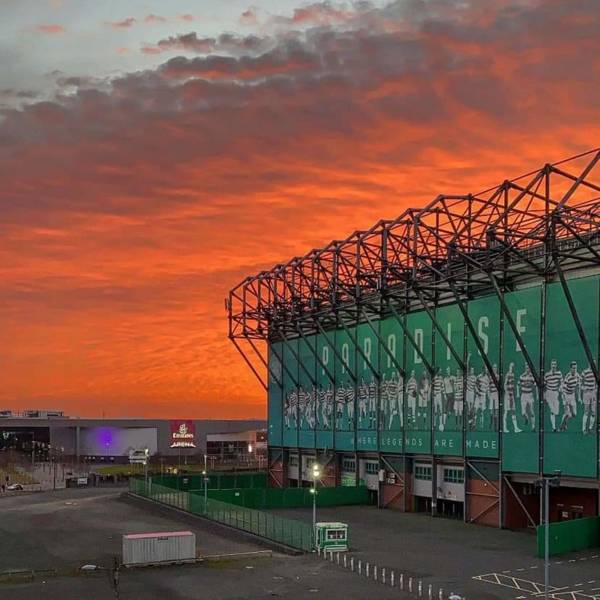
(150, 19)
(225, 43)
(123, 24)
(249, 17)
(19, 94)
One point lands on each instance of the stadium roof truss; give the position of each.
(538, 226)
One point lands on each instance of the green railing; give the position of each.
(272, 527)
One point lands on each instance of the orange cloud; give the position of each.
(154, 19)
(130, 211)
(51, 28)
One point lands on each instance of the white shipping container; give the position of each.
(153, 548)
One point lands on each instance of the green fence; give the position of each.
(217, 481)
(269, 498)
(272, 527)
(568, 536)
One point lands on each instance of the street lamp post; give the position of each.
(545, 483)
(206, 480)
(146, 457)
(316, 473)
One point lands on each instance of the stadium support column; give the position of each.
(410, 338)
(335, 351)
(266, 365)
(439, 328)
(583, 338)
(297, 357)
(252, 368)
(383, 345)
(469, 323)
(376, 375)
(360, 351)
(515, 330)
(341, 427)
(318, 358)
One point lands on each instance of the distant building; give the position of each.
(113, 439)
(230, 446)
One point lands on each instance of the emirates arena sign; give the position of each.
(183, 434)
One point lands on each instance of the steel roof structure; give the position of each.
(535, 227)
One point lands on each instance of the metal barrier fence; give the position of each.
(216, 481)
(270, 498)
(569, 536)
(272, 527)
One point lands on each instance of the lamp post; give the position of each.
(146, 456)
(545, 484)
(206, 480)
(316, 473)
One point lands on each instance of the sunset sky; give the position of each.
(153, 154)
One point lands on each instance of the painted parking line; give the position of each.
(555, 563)
(534, 588)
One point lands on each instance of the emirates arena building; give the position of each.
(447, 359)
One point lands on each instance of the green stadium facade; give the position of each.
(448, 358)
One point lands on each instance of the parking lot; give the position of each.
(55, 533)
(61, 531)
(475, 561)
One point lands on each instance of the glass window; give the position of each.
(336, 534)
(372, 468)
(423, 472)
(453, 475)
(348, 464)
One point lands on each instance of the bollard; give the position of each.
(324, 554)
(345, 564)
(337, 557)
(410, 584)
(331, 556)
(367, 569)
(318, 550)
(420, 588)
(375, 572)
(360, 567)
(392, 577)
(401, 581)
(383, 575)
(430, 592)
(352, 564)
(441, 594)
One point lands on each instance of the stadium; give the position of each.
(448, 358)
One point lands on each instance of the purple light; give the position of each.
(105, 436)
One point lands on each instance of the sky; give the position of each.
(152, 155)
